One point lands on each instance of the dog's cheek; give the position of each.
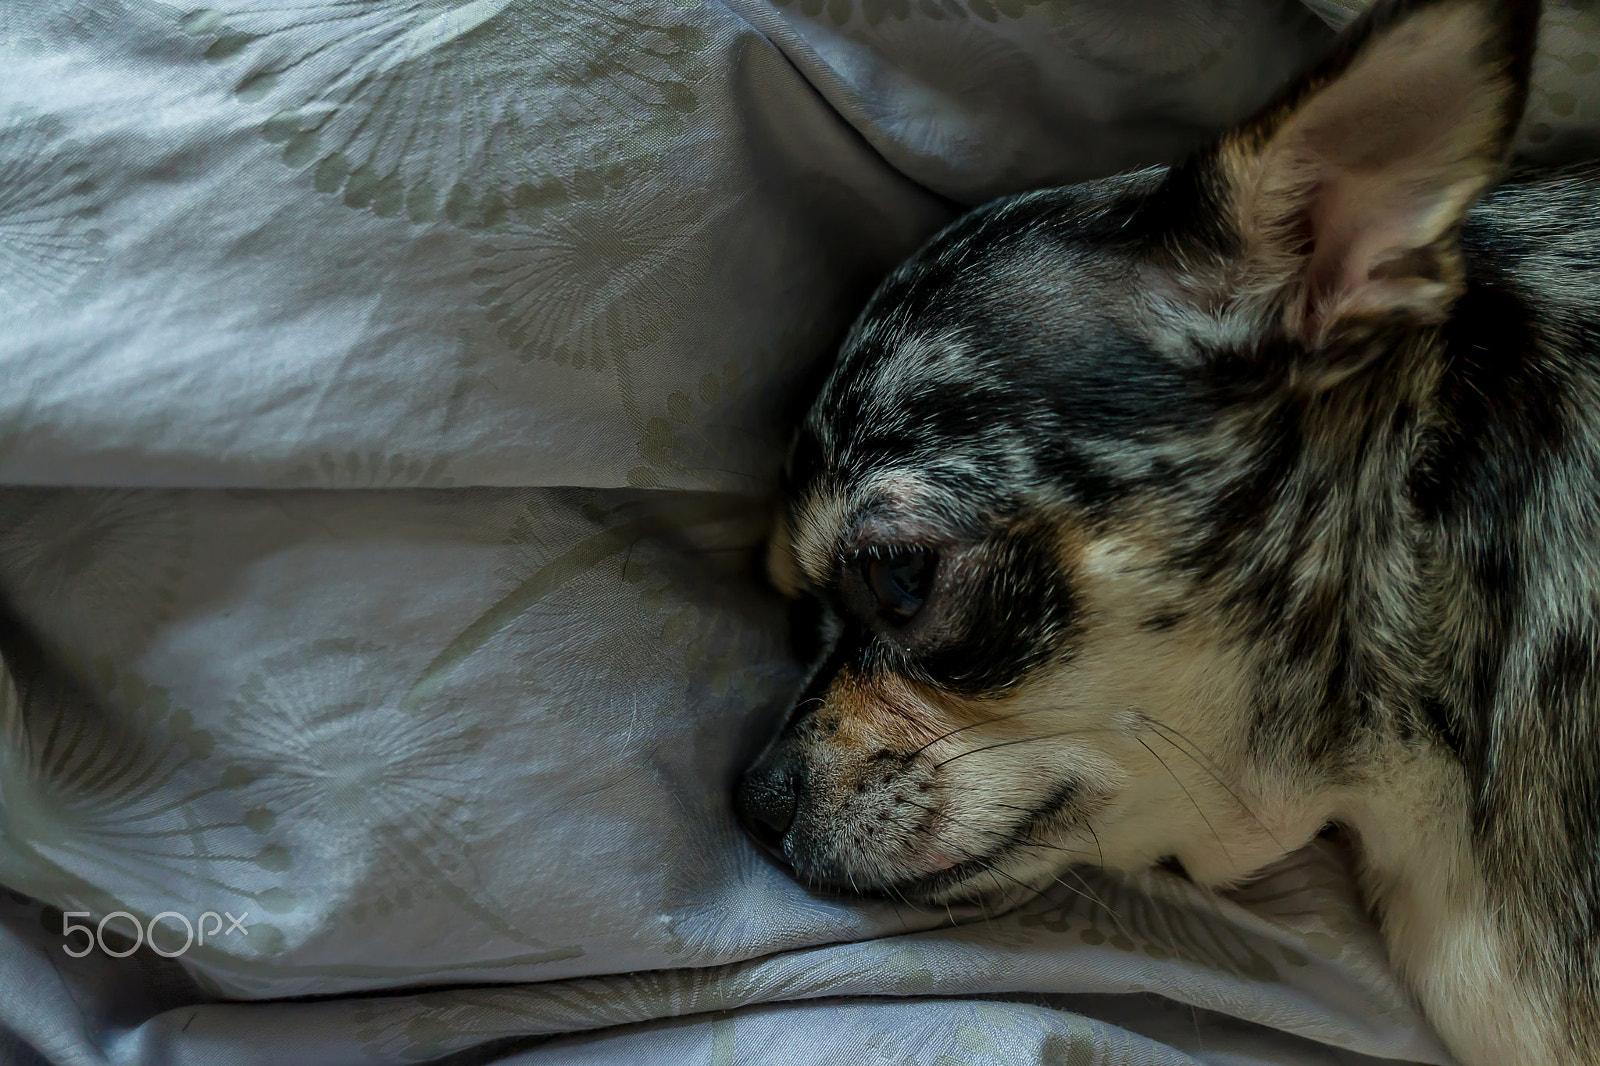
(1052, 774)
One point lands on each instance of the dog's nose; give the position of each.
(766, 803)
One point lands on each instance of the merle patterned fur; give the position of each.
(1363, 493)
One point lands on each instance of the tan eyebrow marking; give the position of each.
(814, 533)
(782, 569)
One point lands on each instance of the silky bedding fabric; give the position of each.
(390, 395)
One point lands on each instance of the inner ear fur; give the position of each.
(1342, 201)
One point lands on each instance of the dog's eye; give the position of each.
(900, 581)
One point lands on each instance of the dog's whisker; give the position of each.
(1011, 837)
(1185, 789)
(1101, 852)
(1012, 840)
(963, 729)
(1094, 897)
(1012, 743)
(1161, 729)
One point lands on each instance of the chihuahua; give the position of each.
(1170, 518)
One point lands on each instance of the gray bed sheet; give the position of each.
(389, 395)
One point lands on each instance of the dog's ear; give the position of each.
(1342, 201)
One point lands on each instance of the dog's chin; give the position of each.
(999, 887)
(1015, 871)
(988, 880)
(982, 880)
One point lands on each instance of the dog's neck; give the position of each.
(1442, 918)
(1382, 589)
(1423, 589)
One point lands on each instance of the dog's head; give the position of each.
(1085, 480)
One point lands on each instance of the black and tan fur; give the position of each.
(1234, 500)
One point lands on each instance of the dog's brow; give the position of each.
(820, 520)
